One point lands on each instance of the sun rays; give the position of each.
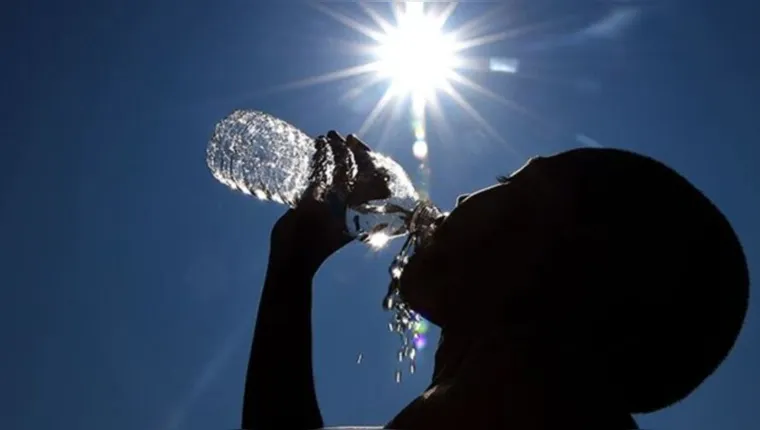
(412, 52)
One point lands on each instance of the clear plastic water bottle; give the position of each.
(267, 158)
(261, 156)
(270, 159)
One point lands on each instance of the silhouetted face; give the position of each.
(581, 245)
(482, 252)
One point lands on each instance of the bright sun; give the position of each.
(418, 59)
(416, 55)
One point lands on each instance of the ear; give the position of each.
(575, 274)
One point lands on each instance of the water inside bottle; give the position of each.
(270, 159)
(378, 221)
(262, 156)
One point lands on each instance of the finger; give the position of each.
(345, 164)
(371, 180)
(356, 144)
(361, 152)
(334, 135)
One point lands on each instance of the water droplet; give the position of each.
(404, 321)
(388, 302)
(398, 376)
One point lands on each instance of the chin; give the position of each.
(425, 295)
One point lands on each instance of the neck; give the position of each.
(538, 383)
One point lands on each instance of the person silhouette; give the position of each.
(588, 286)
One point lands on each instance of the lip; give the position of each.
(425, 239)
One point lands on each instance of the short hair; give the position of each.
(663, 263)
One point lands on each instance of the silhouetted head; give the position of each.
(608, 250)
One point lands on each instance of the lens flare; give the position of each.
(418, 334)
(420, 341)
(421, 326)
(420, 150)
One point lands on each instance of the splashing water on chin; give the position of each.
(408, 324)
(403, 322)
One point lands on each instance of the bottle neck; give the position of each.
(423, 221)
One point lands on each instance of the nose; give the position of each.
(462, 198)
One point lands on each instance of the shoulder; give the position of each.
(439, 406)
(351, 428)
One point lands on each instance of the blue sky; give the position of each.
(131, 277)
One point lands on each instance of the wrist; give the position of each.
(294, 263)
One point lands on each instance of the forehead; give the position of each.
(503, 181)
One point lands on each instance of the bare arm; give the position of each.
(279, 388)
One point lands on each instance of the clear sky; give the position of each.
(130, 278)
